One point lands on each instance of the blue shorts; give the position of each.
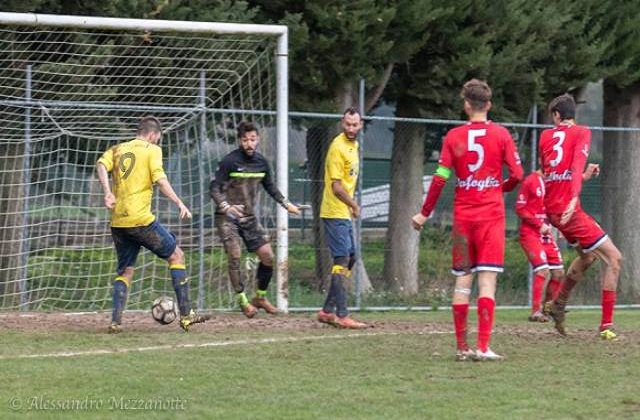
(339, 235)
(155, 237)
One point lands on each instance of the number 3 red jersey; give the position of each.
(564, 151)
(476, 151)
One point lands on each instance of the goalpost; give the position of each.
(73, 86)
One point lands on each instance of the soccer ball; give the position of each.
(164, 310)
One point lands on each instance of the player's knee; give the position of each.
(128, 273)
(544, 273)
(177, 257)
(342, 261)
(615, 261)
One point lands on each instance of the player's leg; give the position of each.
(228, 231)
(159, 240)
(256, 239)
(553, 286)
(127, 251)
(460, 309)
(540, 277)
(533, 248)
(556, 266)
(612, 259)
(488, 240)
(339, 236)
(461, 257)
(263, 278)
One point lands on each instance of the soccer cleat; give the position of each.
(114, 328)
(187, 321)
(538, 316)
(263, 303)
(249, 310)
(556, 311)
(350, 323)
(327, 318)
(486, 356)
(465, 355)
(608, 334)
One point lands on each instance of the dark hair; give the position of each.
(352, 110)
(477, 93)
(564, 105)
(148, 125)
(245, 127)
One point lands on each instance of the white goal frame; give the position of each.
(278, 31)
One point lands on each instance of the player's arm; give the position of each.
(514, 166)
(166, 189)
(274, 192)
(159, 178)
(343, 195)
(593, 169)
(580, 155)
(438, 181)
(103, 166)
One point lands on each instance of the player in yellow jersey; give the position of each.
(337, 209)
(135, 166)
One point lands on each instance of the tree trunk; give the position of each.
(11, 219)
(318, 139)
(621, 179)
(401, 245)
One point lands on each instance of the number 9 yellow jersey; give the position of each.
(135, 166)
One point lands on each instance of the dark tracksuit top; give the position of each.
(237, 179)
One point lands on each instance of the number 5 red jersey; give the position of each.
(564, 151)
(477, 151)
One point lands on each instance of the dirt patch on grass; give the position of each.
(224, 321)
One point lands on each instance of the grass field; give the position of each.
(65, 366)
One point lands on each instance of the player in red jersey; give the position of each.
(564, 151)
(476, 152)
(537, 241)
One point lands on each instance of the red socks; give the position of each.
(460, 312)
(486, 307)
(536, 292)
(553, 288)
(608, 302)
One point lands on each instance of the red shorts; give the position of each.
(477, 246)
(542, 252)
(581, 230)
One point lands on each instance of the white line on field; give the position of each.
(98, 352)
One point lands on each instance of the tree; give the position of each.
(505, 43)
(347, 41)
(621, 150)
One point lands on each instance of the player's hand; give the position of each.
(418, 221)
(184, 211)
(235, 211)
(355, 211)
(545, 229)
(292, 208)
(109, 200)
(568, 213)
(593, 169)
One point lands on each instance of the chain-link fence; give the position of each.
(309, 259)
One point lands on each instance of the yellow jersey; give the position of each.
(135, 166)
(342, 164)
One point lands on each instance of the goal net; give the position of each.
(70, 88)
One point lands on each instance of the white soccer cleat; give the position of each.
(465, 355)
(487, 356)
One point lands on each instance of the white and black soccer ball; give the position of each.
(164, 310)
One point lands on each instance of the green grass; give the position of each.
(404, 372)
